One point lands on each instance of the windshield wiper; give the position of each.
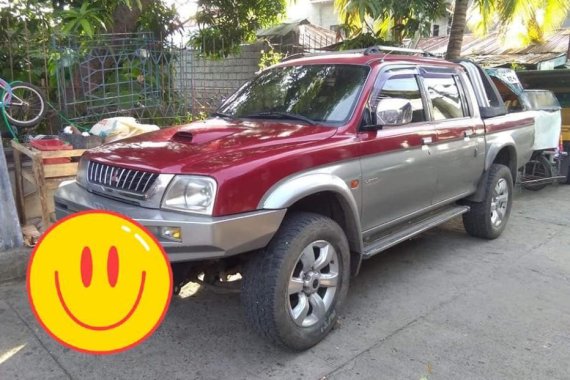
(281, 115)
(221, 114)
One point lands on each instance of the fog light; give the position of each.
(171, 233)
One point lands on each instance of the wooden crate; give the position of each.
(566, 124)
(44, 176)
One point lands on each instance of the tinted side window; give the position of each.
(405, 87)
(445, 98)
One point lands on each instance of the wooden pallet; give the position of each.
(45, 177)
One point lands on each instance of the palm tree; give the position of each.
(457, 29)
(520, 21)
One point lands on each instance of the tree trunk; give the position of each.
(125, 19)
(457, 29)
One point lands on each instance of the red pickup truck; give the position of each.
(309, 169)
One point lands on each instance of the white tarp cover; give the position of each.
(547, 125)
(118, 128)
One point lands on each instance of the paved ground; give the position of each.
(442, 306)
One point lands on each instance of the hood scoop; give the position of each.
(183, 137)
(202, 136)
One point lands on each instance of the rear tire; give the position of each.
(488, 219)
(292, 289)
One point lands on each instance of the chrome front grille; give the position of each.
(129, 180)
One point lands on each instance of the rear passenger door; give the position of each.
(459, 149)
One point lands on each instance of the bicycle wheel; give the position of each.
(26, 107)
(537, 168)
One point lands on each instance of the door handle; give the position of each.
(468, 133)
(427, 140)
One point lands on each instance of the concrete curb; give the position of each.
(13, 264)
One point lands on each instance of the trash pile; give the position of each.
(104, 131)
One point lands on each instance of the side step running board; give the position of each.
(411, 229)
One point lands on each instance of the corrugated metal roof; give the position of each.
(491, 45)
(489, 50)
(522, 59)
(282, 29)
(299, 32)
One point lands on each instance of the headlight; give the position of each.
(81, 177)
(190, 194)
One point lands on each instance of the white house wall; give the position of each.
(319, 13)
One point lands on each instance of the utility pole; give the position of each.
(10, 232)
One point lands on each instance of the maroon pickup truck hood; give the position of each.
(207, 146)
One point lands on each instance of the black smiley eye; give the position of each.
(86, 267)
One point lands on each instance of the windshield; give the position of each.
(313, 93)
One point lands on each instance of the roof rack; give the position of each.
(379, 49)
(393, 49)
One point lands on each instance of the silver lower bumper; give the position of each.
(202, 237)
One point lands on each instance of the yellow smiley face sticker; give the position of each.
(98, 282)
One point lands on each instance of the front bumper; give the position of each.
(202, 237)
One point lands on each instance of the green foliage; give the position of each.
(25, 29)
(33, 34)
(269, 58)
(390, 19)
(85, 20)
(225, 24)
(159, 19)
(364, 40)
(521, 22)
(518, 67)
(189, 117)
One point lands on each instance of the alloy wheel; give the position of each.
(313, 283)
(499, 202)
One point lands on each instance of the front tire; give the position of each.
(488, 219)
(293, 289)
(27, 106)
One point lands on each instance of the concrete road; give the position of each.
(442, 306)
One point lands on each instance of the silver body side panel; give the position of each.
(396, 184)
(334, 178)
(521, 139)
(460, 162)
(459, 166)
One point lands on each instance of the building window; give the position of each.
(435, 32)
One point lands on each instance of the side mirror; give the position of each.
(393, 111)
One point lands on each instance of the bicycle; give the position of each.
(22, 104)
(543, 169)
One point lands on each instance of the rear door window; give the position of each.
(445, 97)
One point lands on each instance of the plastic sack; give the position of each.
(118, 128)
